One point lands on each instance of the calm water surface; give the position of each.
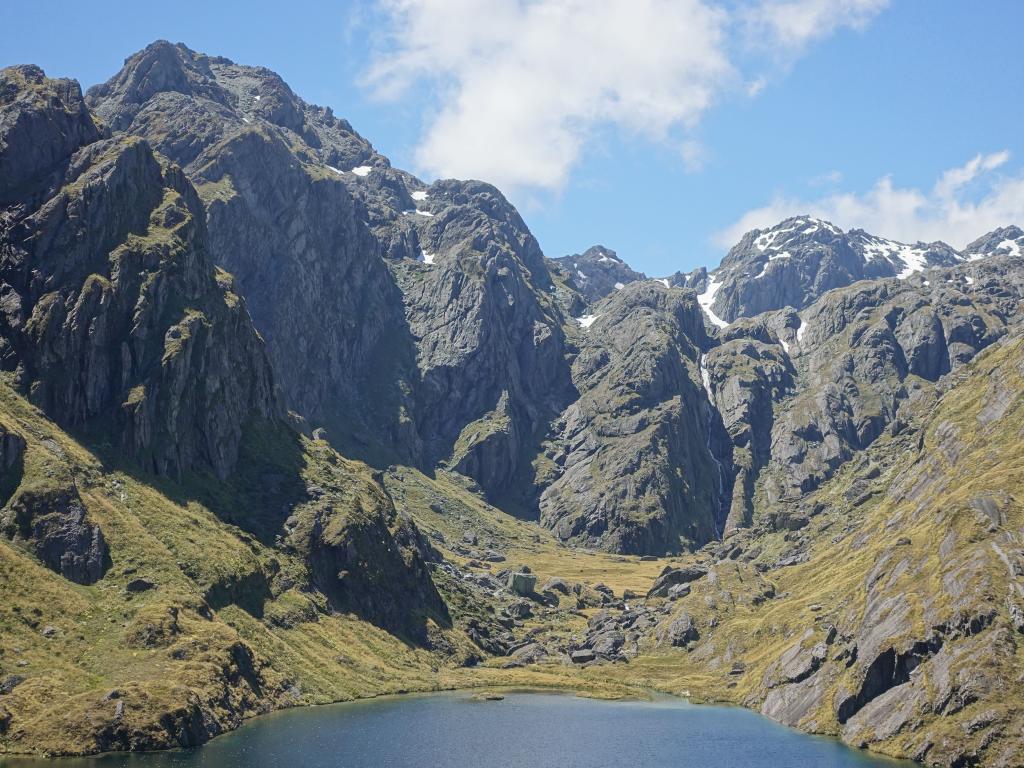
(526, 730)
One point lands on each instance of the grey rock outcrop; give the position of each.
(56, 527)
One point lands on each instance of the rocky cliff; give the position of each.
(115, 319)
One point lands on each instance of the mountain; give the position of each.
(402, 318)
(282, 424)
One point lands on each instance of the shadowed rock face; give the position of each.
(398, 354)
(273, 175)
(366, 558)
(54, 524)
(629, 467)
(42, 124)
(116, 322)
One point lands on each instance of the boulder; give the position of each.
(582, 656)
(681, 631)
(522, 583)
(677, 591)
(520, 609)
(556, 585)
(10, 682)
(671, 577)
(607, 644)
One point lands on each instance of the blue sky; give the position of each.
(865, 111)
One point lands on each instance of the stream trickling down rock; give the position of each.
(525, 730)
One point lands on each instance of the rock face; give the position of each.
(12, 453)
(866, 350)
(491, 348)
(629, 467)
(131, 322)
(56, 527)
(423, 313)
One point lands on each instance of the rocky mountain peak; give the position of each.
(597, 272)
(161, 67)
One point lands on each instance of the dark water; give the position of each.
(526, 730)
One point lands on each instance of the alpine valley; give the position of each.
(281, 424)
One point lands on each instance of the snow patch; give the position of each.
(619, 286)
(765, 241)
(969, 279)
(586, 320)
(419, 195)
(427, 258)
(246, 120)
(707, 298)
(332, 168)
(913, 259)
(801, 330)
(582, 276)
(705, 378)
(785, 346)
(257, 97)
(664, 281)
(423, 213)
(771, 258)
(1012, 247)
(362, 170)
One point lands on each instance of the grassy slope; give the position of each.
(162, 532)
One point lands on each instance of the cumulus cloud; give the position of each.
(964, 203)
(522, 86)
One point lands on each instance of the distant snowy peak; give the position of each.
(1005, 241)
(798, 228)
(794, 262)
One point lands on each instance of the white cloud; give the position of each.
(793, 24)
(523, 85)
(964, 203)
